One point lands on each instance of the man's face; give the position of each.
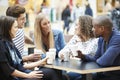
(21, 20)
(97, 30)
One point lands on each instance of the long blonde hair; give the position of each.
(38, 33)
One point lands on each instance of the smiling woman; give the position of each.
(46, 38)
(11, 64)
(14, 29)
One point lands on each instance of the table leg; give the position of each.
(86, 77)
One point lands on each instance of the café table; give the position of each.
(84, 68)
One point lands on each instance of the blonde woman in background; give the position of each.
(84, 39)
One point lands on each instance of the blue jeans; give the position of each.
(74, 76)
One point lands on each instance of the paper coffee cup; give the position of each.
(54, 52)
(66, 56)
(74, 49)
(38, 51)
(50, 56)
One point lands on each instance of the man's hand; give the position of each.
(80, 55)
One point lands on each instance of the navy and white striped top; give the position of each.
(19, 40)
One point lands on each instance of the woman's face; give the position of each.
(14, 29)
(77, 28)
(45, 25)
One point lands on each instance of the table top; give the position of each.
(78, 66)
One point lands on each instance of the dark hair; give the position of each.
(118, 1)
(15, 11)
(6, 23)
(88, 5)
(104, 21)
(1, 21)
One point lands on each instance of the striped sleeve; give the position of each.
(19, 41)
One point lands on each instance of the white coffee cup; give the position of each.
(74, 49)
(54, 52)
(66, 54)
(50, 56)
(38, 51)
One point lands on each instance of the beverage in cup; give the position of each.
(31, 50)
(66, 56)
(38, 51)
(74, 49)
(54, 52)
(50, 57)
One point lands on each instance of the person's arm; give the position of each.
(28, 40)
(89, 57)
(89, 48)
(111, 54)
(26, 58)
(35, 64)
(72, 41)
(33, 74)
(8, 70)
(31, 57)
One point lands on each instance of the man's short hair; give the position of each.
(15, 11)
(118, 1)
(104, 20)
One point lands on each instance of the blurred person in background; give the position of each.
(115, 15)
(84, 39)
(88, 10)
(66, 17)
(108, 6)
(77, 11)
(44, 4)
(29, 7)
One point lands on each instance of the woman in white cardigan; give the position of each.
(83, 40)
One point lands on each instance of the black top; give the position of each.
(7, 64)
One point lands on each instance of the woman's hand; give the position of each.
(34, 57)
(61, 56)
(35, 74)
(43, 61)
